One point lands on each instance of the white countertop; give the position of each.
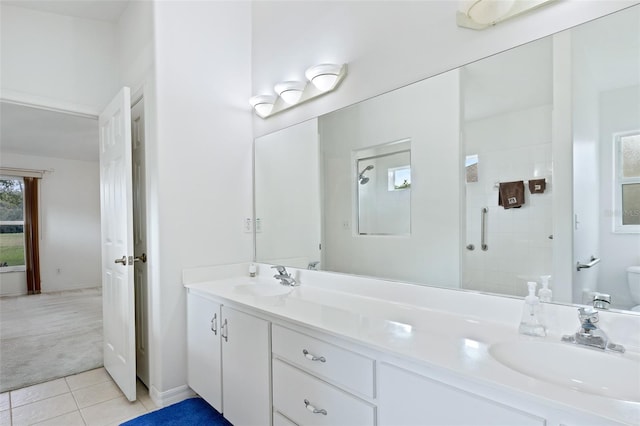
(451, 341)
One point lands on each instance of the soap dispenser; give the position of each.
(531, 323)
(545, 292)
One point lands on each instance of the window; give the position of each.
(399, 178)
(627, 183)
(12, 251)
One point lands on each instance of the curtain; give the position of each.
(31, 235)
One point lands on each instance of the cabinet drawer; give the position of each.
(296, 393)
(341, 366)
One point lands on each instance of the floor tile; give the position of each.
(111, 411)
(43, 410)
(95, 394)
(4, 401)
(5, 418)
(38, 392)
(88, 378)
(142, 393)
(71, 419)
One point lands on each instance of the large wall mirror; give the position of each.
(516, 167)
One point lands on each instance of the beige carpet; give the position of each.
(48, 336)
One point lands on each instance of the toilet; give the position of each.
(633, 278)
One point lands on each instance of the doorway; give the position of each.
(75, 137)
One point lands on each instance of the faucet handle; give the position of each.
(281, 269)
(588, 315)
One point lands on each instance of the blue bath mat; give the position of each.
(193, 411)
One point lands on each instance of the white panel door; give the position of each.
(140, 241)
(116, 211)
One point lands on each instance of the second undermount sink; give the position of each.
(263, 289)
(591, 371)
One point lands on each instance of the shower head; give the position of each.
(361, 177)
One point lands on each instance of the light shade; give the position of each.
(488, 11)
(481, 14)
(323, 76)
(290, 91)
(263, 104)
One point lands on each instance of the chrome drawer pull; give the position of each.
(224, 332)
(214, 324)
(312, 357)
(313, 409)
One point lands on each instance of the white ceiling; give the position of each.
(103, 10)
(33, 131)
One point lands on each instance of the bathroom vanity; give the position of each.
(346, 350)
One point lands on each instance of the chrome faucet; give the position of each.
(590, 334)
(284, 277)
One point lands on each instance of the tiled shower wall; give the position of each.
(510, 147)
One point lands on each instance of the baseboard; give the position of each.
(171, 396)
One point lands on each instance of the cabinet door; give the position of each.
(246, 367)
(203, 349)
(406, 398)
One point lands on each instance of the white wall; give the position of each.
(387, 44)
(510, 147)
(70, 224)
(287, 196)
(203, 161)
(427, 113)
(57, 60)
(135, 44)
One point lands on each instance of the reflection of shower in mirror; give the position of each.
(361, 177)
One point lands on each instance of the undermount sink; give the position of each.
(263, 289)
(583, 369)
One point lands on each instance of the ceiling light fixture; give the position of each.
(263, 104)
(290, 91)
(481, 14)
(324, 76)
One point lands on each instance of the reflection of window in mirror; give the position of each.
(399, 178)
(471, 168)
(627, 183)
(383, 184)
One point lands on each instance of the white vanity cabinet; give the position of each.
(406, 398)
(283, 361)
(229, 360)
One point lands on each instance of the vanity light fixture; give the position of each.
(481, 14)
(324, 78)
(263, 104)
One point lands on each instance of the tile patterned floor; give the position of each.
(86, 399)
